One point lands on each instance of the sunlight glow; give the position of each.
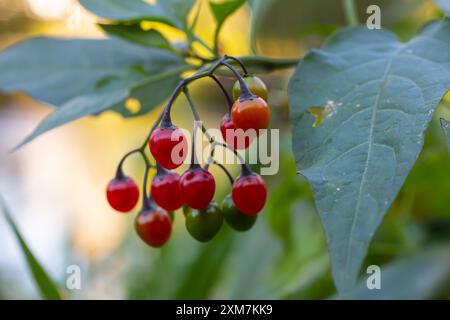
(50, 9)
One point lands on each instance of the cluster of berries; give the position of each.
(194, 189)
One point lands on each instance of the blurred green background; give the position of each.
(55, 186)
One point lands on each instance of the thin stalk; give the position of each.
(119, 172)
(350, 12)
(145, 200)
(230, 177)
(196, 115)
(245, 92)
(224, 145)
(194, 160)
(239, 62)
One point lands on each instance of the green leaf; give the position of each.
(179, 9)
(56, 70)
(149, 91)
(384, 93)
(42, 280)
(423, 276)
(171, 12)
(446, 127)
(135, 34)
(444, 5)
(221, 11)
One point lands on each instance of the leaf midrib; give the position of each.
(369, 151)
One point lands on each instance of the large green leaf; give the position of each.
(56, 70)
(221, 11)
(135, 34)
(42, 280)
(423, 276)
(382, 94)
(444, 5)
(446, 127)
(171, 12)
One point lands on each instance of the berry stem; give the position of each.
(195, 114)
(224, 145)
(230, 177)
(145, 198)
(245, 91)
(119, 172)
(246, 171)
(241, 64)
(194, 160)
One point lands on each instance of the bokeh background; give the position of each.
(55, 185)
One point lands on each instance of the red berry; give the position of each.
(197, 187)
(249, 193)
(252, 113)
(166, 191)
(153, 226)
(122, 194)
(168, 146)
(236, 138)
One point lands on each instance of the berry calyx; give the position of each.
(165, 189)
(251, 113)
(197, 187)
(249, 192)
(254, 84)
(168, 146)
(234, 218)
(204, 224)
(153, 225)
(122, 193)
(237, 139)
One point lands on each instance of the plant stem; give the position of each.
(119, 172)
(245, 92)
(350, 12)
(230, 177)
(195, 114)
(239, 62)
(145, 201)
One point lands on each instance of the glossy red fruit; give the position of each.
(249, 193)
(122, 194)
(168, 146)
(153, 226)
(166, 191)
(197, 187)
(237, 139)
(252, 113)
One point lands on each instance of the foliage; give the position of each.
(358, 159)
(379, 95)
(43, 281)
